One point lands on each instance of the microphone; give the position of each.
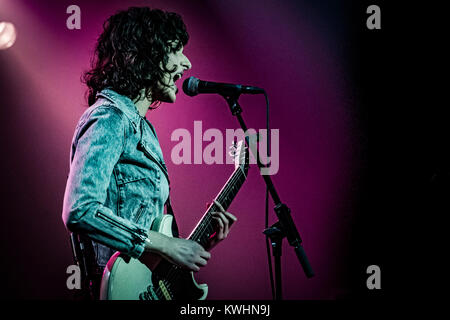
(193, 86)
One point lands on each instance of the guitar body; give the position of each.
(152, 278)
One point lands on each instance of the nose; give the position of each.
(185, 63)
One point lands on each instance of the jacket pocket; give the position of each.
(149, 154)
(139, 213)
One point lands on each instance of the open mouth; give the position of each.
(177, 77)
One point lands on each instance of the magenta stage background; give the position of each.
(299, 52)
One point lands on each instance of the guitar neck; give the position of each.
(205, 228)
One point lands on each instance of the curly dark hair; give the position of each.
(132, 52)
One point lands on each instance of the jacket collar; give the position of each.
(124, 104)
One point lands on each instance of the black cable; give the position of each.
(268, 244)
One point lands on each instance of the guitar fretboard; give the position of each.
(205, 228)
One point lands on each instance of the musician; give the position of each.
(118, 181)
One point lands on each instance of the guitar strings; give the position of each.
(203, 224)
(232, 180)
(173, 273)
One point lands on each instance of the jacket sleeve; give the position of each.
(97, 146)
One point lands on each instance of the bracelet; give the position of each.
(148, 242)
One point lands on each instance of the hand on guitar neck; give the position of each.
(223, 220)
(187, 253)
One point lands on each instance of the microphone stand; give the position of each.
(285, 226)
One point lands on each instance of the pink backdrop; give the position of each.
(285, 47)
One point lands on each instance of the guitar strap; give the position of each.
(169, 210)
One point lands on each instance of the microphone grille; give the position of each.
(190, 86)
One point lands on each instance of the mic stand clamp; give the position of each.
(233, 104)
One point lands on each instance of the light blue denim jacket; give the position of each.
(118, 182)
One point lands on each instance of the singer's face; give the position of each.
(179, 63)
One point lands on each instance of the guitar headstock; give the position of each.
(239, 151)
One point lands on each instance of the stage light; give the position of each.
(7, 35)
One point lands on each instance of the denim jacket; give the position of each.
(118, 181)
